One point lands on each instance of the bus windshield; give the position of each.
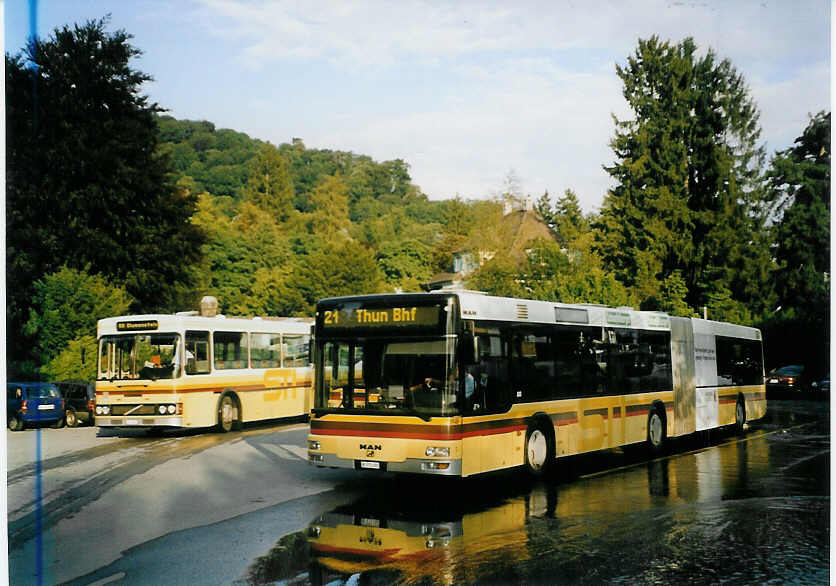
(139, 356)
(389, 377)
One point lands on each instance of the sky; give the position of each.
(468, 94)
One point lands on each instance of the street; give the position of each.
(245, 507)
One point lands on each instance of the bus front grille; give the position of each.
(133, 409)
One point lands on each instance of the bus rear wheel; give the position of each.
(539, 453)
(739, 416)
(227, 414)
(656, 431)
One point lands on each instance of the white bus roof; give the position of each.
(177, 322)
(475, 305)
(479, 306)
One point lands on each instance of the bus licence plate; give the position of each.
(133, 422)
(45, 407)
(369, 465)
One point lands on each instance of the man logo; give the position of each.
(371, 447)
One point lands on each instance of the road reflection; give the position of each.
(725, 512)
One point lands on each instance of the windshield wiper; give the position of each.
(422, 416)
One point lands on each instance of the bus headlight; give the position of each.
(102, 409)
(313, 445)
(435, 452)
(161, 409)
(171, 409)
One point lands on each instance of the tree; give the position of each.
(687, 169)
(66, 306)
(405, 263)
(799, 185)
(85, 185)
(339, 269)
(328, 218)
(799, 191)
(569, 222)
(76, 361)
(270, 185)
(553, 272)
(242, 239)
(543, 207)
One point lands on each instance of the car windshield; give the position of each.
(793, 370)
(139, 356)
(391, 377)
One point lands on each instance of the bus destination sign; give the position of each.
(381, 317)
(133, 326)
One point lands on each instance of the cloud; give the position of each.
(466, 91)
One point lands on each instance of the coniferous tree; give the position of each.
(687, 165)
(799, 181)
(570, 223)
(799, 188)
(270, 185)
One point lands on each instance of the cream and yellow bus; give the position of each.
(192, 371)
(460, 383)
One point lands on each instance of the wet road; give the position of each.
(245, 508)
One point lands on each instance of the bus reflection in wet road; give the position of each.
(745, 509)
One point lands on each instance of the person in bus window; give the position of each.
(469, 384)
(176, 360)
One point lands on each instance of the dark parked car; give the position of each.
(79, 401)
(822, 385)
(33, 403)
(786, 378)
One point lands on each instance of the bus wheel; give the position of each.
(656, 432)
(227, 414)
(72, 420)
(739, 415)
(538, 451)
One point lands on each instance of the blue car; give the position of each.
(33, 403)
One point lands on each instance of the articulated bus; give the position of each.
(460, 383)
(191, 371)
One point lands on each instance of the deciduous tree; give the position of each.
(85, 185)
(66, 305)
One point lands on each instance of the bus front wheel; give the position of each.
(539, 453)
(227, 414)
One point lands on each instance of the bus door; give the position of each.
(486, 450)
(682, 358)
(707, 400)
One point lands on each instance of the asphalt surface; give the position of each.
(246, 508)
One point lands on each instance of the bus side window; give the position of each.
(295, 350)
(230, 349)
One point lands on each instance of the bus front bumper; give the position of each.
(410, 465)
(105, 421)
